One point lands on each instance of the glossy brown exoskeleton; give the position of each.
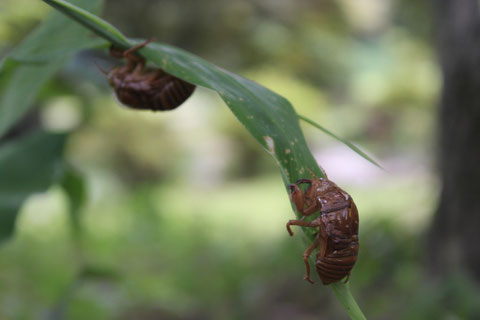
(140, 87)
(337, 239)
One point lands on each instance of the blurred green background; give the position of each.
(186, 214)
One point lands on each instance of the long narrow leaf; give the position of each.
(346, 142)
(268, 117)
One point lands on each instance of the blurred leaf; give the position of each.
(57, 37)
(269, 118)
(7, 66)
(20, 91)
(346, 142)
(74, 186)
(90, 272)
(27, 165)
(38, 57)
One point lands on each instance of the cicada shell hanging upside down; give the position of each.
(337, 224)
(141, 87)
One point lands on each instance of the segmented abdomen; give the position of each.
(172, 94)
(337, 264)
(163, 94)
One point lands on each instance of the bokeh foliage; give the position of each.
(356, 81)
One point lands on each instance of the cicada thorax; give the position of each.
(141, 87)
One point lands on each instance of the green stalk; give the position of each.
(343, 294)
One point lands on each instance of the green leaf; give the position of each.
(346, 142)
(27, 165)
(74, 186)
(90, 272)
(268, 117)
(37, 59)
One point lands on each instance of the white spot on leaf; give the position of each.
(270, 144)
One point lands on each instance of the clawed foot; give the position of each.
(290, 232)
(308, 279)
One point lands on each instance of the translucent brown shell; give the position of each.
(140, 87)
(337, 224)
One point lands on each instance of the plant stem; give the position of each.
(342, 291)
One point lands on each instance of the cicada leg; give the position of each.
(137, 47)
(306, 255)
(301, 223)
(320, 241)
(135, 61)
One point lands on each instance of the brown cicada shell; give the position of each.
(141, 87)
(337, 239)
